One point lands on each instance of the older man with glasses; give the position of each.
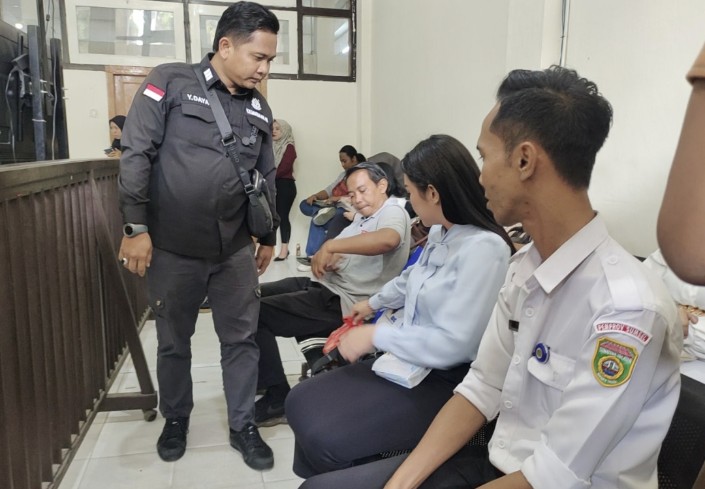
(367, 254)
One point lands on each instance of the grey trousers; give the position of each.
(177, 286)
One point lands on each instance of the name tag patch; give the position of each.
(257, 114)
(626, 329)
(199, 99)
(613, 362)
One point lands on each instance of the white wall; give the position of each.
(637, 51)
(324, 117)
(436, 68)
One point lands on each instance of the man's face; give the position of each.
(498, 177)
(247, 63)
(366, 195)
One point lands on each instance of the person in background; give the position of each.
(347, 269)
(580, 360)
(325, 204)
(690, 299)
(184, 208)
(447, 295)
(116, 125)
(284, 157)
(681, 225)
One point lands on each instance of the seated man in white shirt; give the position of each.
(580, 358)
(368, 253)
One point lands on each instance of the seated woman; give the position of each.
(349, 414)
(328, 198)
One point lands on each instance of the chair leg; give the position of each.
(304, 371)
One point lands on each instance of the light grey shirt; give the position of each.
(359, 276)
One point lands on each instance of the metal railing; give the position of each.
(67, 311)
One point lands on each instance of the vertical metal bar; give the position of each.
(24, 455)
(10, 435)
(40, 409)
(50, 366)
(35, 72)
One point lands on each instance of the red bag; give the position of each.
(334, 338)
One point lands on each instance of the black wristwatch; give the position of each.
(132, 230)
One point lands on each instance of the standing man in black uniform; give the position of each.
(184, 210)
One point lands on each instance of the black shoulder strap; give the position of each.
(226, 131)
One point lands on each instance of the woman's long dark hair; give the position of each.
(443, 161)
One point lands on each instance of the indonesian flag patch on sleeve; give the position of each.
(153, 92)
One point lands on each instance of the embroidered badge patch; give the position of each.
(613, 362)
(153, 92)
(256, 104)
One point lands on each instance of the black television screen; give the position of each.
(16, 130)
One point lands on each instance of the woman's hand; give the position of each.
(115, 153)
(357, 342)
(360, 311)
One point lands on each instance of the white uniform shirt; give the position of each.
(448, 296)
(594, 414)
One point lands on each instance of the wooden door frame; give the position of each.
(111, 71)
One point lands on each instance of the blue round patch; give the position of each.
(542, 352)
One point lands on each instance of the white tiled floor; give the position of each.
(119, 448)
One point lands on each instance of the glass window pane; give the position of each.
(208, 24)
(326, 46)
(127, 32)
(339, 4)
(283, 48)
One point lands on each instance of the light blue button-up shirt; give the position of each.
(448, 297)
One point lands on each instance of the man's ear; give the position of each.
(383, 185)
(224, 45)
(526, 154)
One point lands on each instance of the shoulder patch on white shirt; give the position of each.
(153, 92)
(613, 362)
(626, 329)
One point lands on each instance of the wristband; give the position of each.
(132, 230)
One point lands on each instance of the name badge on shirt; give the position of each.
(513, 325)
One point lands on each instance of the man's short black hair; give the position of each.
(562, 112)
(242, 19)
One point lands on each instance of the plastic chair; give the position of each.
(683, 450)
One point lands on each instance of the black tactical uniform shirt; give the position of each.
(174, 173)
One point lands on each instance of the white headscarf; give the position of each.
(286, 139)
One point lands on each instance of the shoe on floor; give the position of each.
(324, 215)
(172, 442)
(269, 412)
(303, 268)
(254, 450)
(304, 260)
(205, 305)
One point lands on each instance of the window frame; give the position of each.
(183, 12)
(71, 43)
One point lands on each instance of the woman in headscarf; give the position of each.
(284, 157)
(116, 125)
